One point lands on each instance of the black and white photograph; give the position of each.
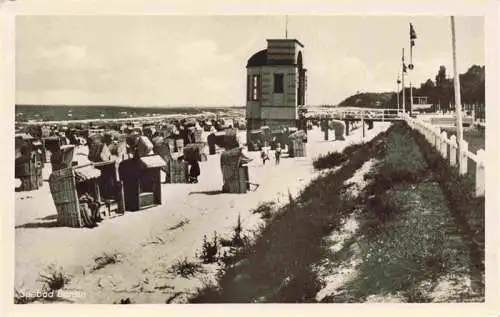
(249, 158)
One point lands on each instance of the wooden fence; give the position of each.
(346, 113)
(448, 149)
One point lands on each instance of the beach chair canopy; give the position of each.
(234, 157)
(144, 146)
(258, 131)
(99, 152)
(24, 136)
(152, 161)
(190, 122)
(85, 173)
(111, 135)
(161, 147)
(299, 135)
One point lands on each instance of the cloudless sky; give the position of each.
(200, 60)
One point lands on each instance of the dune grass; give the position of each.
(276, 266)
(408, 239)
(467, 210)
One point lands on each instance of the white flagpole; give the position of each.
(397, 92)
(403, 81)
(456, 81)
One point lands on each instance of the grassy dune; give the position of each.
(411, 243)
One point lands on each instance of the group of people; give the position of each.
(264, 154)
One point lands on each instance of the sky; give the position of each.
(201, 60)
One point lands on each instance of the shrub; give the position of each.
(105, 259)
(180, 224)
(54, 279)
(352, 148)
(209, 249)
(237, 238)
(329, 160)
(185, 269)
(265, 210)
(124, 301)
(333, 159)
(401, 161)
(208, 293)
(224, 242)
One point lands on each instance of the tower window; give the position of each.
(278, 83)
(253, 87)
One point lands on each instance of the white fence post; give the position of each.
(437, 138)
(444, 144)
(453, 150)
(480, 175)
(464, 159)
(428, 128)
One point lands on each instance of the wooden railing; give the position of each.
(448, 149)
(354, 113)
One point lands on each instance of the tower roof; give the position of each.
(286, 40)
(258, 59)
(278, 52)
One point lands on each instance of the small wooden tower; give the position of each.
(276, 85)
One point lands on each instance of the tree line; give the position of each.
(440, 93)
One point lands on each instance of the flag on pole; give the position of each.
(403, 60)
(413, 35)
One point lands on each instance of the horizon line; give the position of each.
(130, 106)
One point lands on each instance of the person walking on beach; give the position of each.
(194, 172)
(277, 153)
(264, 155)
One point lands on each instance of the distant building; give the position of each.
(421, 103)
(276, 85)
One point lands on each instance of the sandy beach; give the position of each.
(148, 242)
